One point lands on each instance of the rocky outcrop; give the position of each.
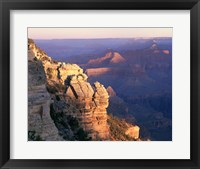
(133, 132)
(56, 72)
(119, 108)
(91, 103)
(121, 130)
(40, 124)
(39, 120)
(77, 97)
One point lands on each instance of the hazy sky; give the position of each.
(86, 33)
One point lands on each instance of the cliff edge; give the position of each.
(60, 91)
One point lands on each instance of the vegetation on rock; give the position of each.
(118, 128)
(33, 136)
(68, 126)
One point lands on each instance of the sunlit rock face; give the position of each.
(91, 103)
(133, 132)
(81, 100)
(95, 72)
(55, 71)
(40, 124)
(109, 58)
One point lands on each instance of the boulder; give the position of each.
(133, 132)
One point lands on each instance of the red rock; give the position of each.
(166, 52)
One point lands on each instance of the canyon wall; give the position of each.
(40, 124)
(68, 92)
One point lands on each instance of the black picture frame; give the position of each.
(7, 5)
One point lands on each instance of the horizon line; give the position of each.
(102, 38)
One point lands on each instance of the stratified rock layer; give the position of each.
(91, 103)
(81, 100)
(39, 120)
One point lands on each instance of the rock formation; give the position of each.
(109, 58)
(121, 130)
(117, 58)
(91, 103)
(166, 52)
(133, 132)
(56, 72)
(95, 72)
(40, 124)
(77, 98)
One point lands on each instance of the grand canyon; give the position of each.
(103, 89)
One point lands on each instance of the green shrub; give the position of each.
(51, 89)
(32, 136)
(49, 72)
(68, 126)
(118, 128)
(81, 135)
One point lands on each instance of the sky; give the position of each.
(90, 33)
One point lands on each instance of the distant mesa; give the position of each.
(100, 60)
(156, 50)
(97, 71)
(166, 52)
(117, 58)
(110, 57)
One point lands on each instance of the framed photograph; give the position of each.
(99, 84)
